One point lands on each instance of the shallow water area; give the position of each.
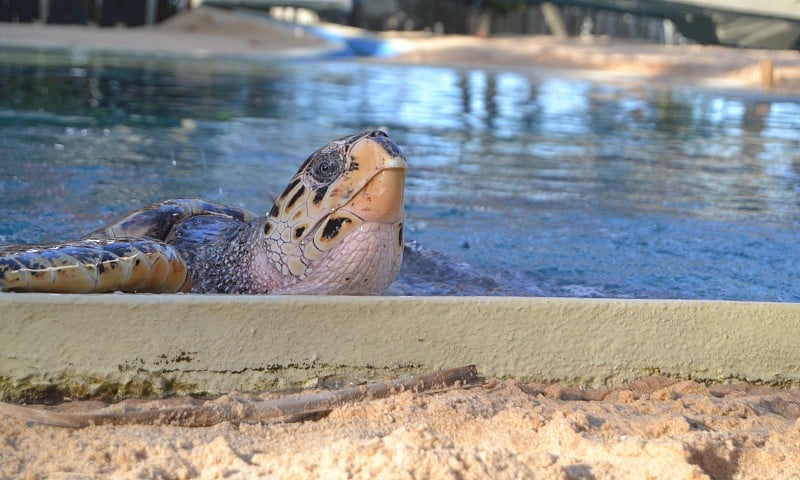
(540, 184)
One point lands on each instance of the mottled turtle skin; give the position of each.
(337, 228)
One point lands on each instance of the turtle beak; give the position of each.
(381, 198)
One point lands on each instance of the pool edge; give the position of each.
(156, 345)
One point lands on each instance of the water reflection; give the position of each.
(587, 189)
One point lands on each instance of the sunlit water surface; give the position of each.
(543, 184)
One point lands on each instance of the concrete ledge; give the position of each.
(152, 345)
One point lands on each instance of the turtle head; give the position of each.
(337, 228)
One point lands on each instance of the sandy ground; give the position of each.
(202, 32)
(652, 428)
(655, 428)
(608, 60)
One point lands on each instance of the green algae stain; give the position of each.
(78, 387)
(141, 383)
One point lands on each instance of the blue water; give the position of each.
(560, 186)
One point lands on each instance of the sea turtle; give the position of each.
(337, 228)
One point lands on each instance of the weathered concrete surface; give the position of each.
(132, 345)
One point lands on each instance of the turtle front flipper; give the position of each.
(94, 266)
(159, 219)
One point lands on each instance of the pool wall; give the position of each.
(114, 346)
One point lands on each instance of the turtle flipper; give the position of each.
(93, 266)
(128, 256)
(159, 219)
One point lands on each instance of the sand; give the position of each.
(204, 32)
(654, 428)
(604, 59)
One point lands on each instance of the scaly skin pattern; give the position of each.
(337, 228)
(93, 266)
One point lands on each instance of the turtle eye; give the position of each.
(326, 168)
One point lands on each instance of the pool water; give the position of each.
(530, 183)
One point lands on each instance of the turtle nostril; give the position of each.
(378, 133)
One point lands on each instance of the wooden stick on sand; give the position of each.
(205, 413)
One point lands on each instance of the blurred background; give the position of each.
(746, 23)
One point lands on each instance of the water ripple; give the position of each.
(569, 187)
